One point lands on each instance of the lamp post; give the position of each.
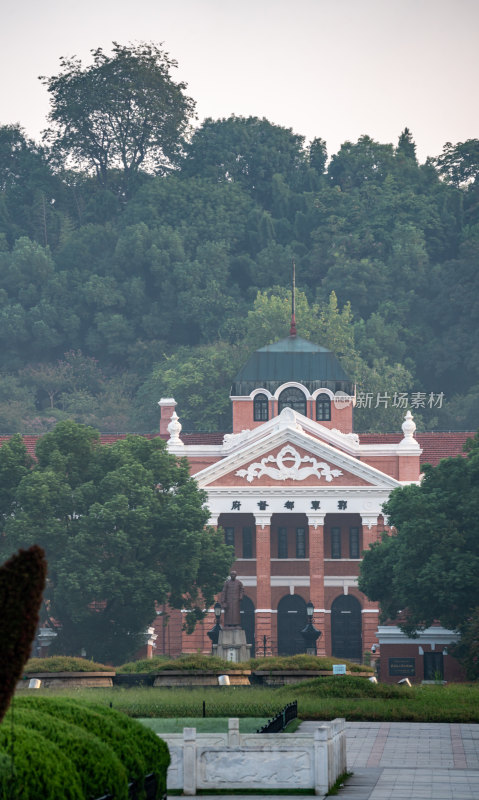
(215, 630)
(310, 634)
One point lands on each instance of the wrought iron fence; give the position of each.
(279, 722)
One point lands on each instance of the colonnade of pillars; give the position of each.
(263, 615)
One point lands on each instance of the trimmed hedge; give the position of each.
(139, 750)
(194, 662)
(99, 768)
(154, 750)
(41, 769)
(206, 663)
(305, 662)
(64, 664)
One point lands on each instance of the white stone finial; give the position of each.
(408, 426)
(408, 444)
(174, 429)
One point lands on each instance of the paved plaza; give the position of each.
(410, 761)
(405, 761)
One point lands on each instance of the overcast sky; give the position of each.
(330, 68)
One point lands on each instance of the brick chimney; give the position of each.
(167, 406)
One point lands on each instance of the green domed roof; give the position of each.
(292, 359)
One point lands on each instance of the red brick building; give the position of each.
(299, 496)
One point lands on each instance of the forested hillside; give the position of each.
(141, 257)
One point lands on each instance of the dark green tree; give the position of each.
(123, 528)
(427, 568)
(406, 147)
(459, 163)
(248, 151)
(122, 112)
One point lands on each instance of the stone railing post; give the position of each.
(322, 735)
(233, 732)
(189, 761)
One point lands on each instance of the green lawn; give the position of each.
(202, 724)
(319, 698)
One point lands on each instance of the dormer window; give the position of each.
(292, 398)
(260, 405)
(323, 408)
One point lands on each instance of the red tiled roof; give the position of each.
(202, 438)
(435, 444)
(30, 441)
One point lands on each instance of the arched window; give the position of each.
(323, 408)
(260, 406)
(292, 398)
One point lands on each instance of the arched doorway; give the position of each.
(247, 621)
(346, 631)
(292, 618)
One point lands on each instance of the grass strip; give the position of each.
(356, 699)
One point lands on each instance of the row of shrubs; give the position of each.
(196, 661)
(64, 749)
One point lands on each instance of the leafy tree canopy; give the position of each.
(459, 163)
(427, 568)
(249, 151)
(123, 112)
(107, 250)
(136, 509)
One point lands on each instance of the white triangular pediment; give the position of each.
(286, 452)
(349, 442)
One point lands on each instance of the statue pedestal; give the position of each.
(232, 645)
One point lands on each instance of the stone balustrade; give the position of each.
(271, 761)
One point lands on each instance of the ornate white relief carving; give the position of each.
(288, 467)
(243, 766)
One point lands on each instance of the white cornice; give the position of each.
(347, 442)
(299, 491)
(392, 634)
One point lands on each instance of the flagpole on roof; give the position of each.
(292, 330)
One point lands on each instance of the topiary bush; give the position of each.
(64, 664)
(99, 768)
(22, 580)
(41, 769)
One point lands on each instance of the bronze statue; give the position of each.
(230, 599)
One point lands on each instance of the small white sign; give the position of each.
(339, 669)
